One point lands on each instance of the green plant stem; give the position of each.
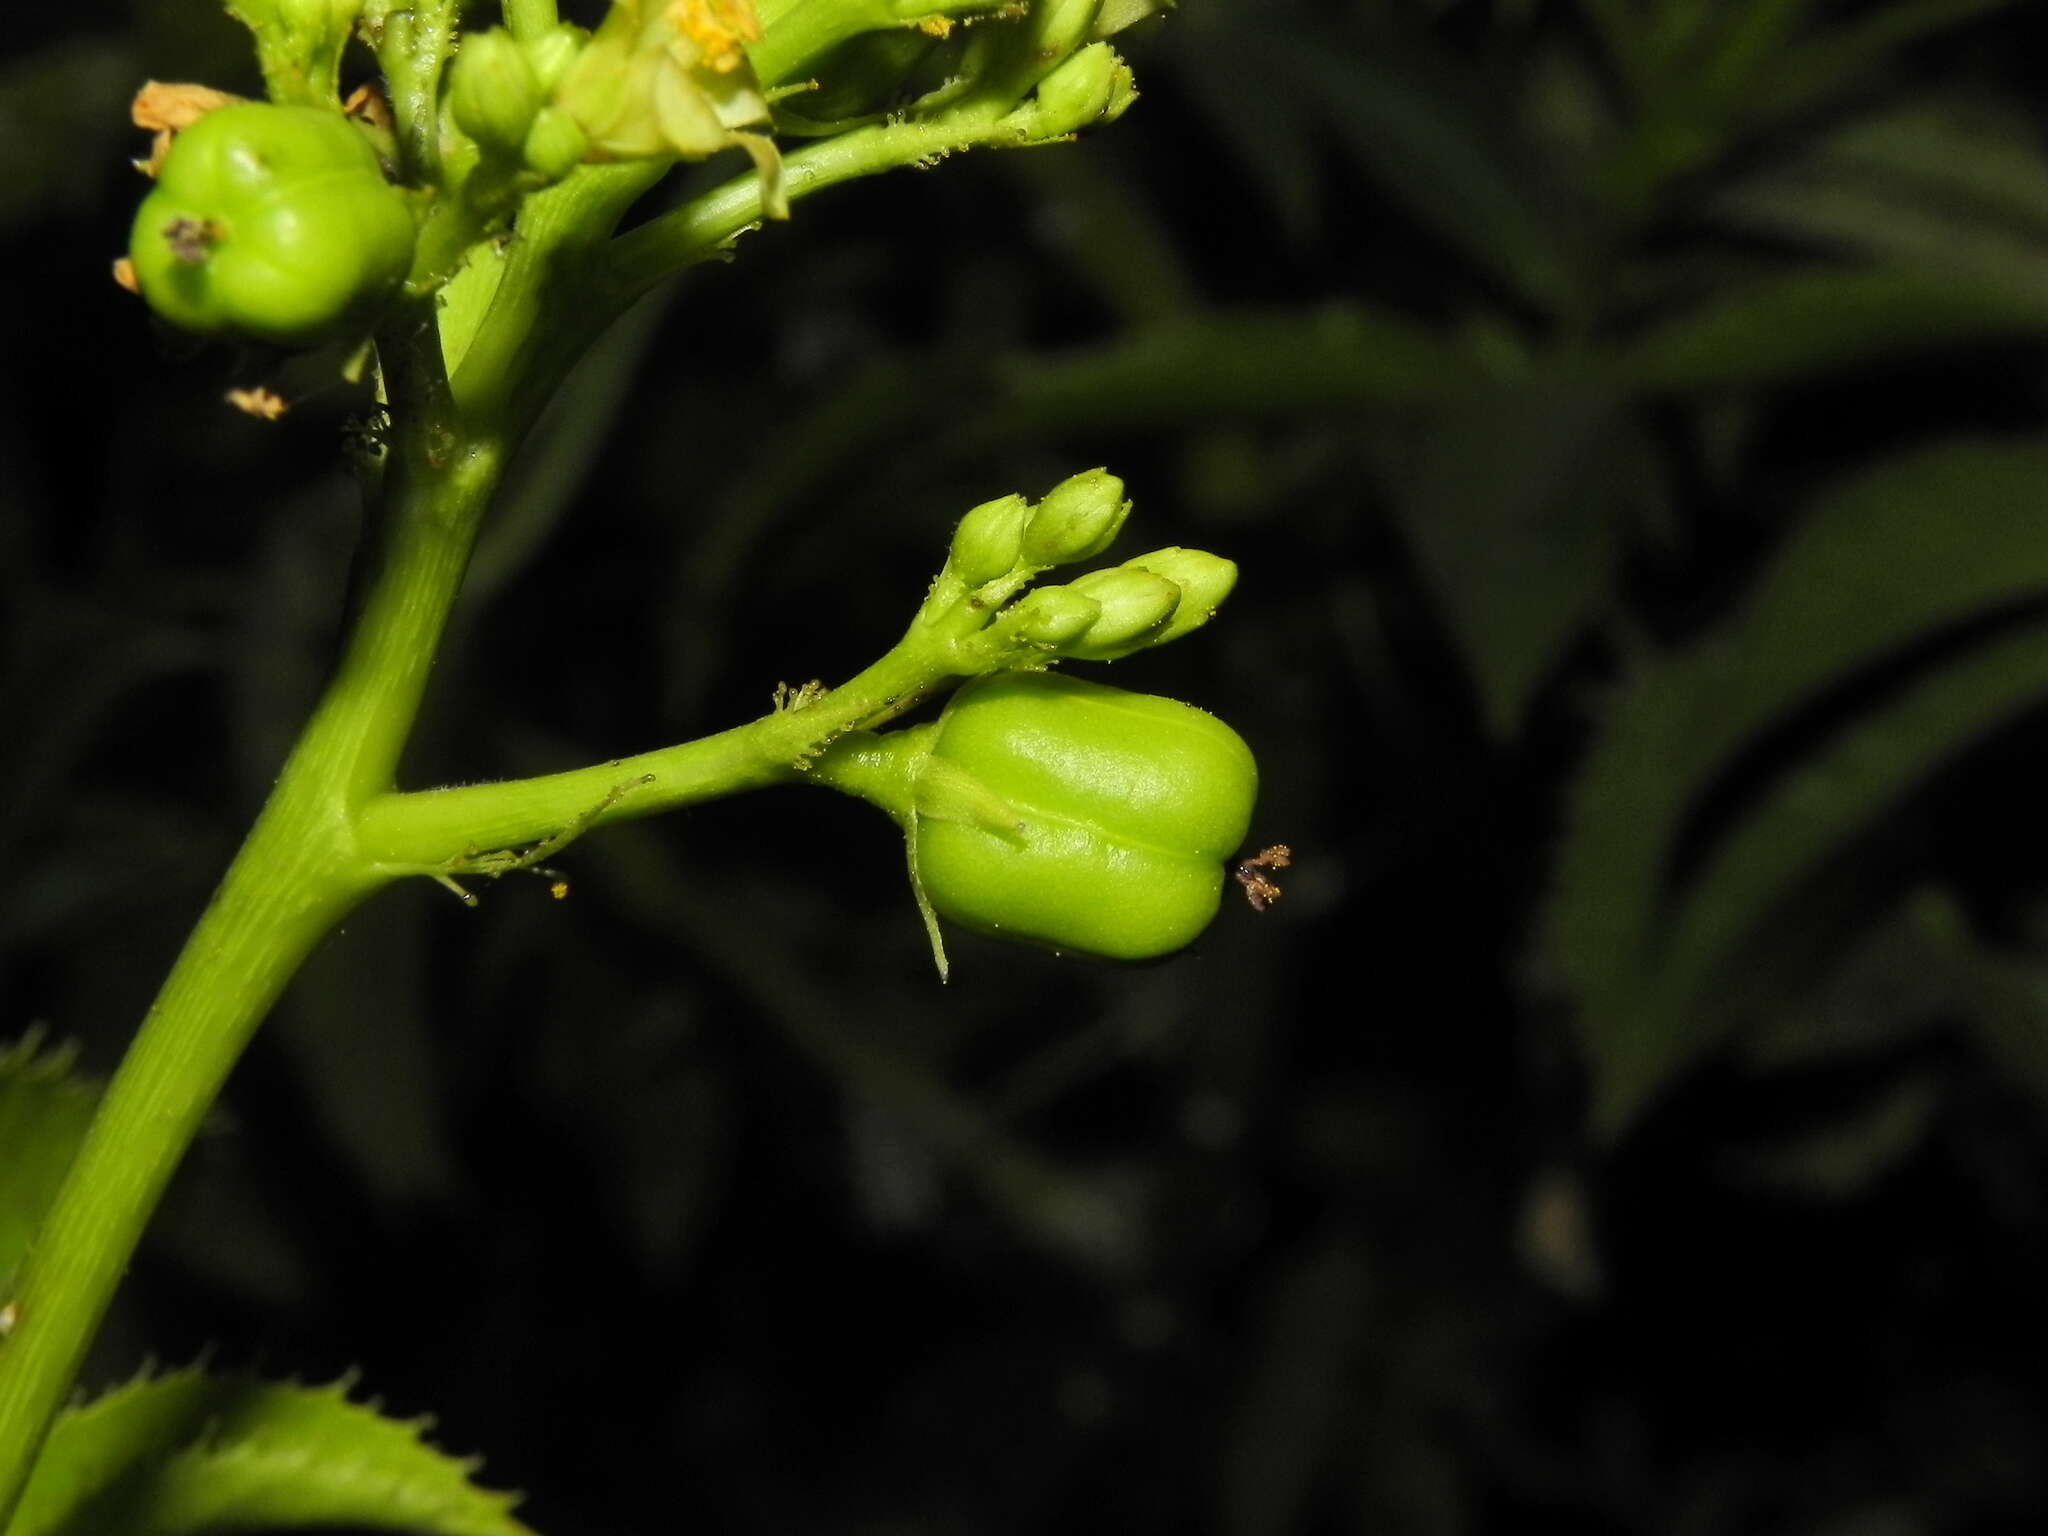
(333, 829)
(412, 45)
(290, 884)
(435, 830)
(706, 226)
(299, 872)
(528, 19)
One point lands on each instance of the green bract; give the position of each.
(1078, 816)
(271, 223)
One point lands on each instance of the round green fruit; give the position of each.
(271, 224)
(1078, 816)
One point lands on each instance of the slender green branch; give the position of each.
(438, 830)
(412, 45)
(528, 19)
(705, 226)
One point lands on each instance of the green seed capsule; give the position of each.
(273, 224)
(1125, 809)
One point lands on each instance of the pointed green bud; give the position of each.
(493, 93)
(1116, 15)
(1080, 91)
(555, 146)
(1079, 518)
(1205, 580)
(1051, 616)
(551, 54)
(990, 540)
(1135, 606)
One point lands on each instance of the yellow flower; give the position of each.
(718, 28)
(671, 77)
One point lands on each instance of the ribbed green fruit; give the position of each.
(271, 224)
(1125, 809)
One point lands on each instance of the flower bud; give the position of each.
(1125, 809)
(1051, 617)
(990, 540)
(551, 54)
(493, 92)
(1135, 606)
(555, 146)
(1079, 91)
(1077, 520)
(1205, 580)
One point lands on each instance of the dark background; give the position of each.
(1628, 418)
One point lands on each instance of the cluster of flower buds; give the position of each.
(501, 93)
(1104, 615)
(658, 79)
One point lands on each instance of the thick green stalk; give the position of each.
(299, 873)
(527, 19)
(294, 879)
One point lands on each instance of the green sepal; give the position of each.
(191, 1453)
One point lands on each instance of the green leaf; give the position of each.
(1826, 63)
(1262, 130)
(44, 1110)
(1819, 809)
(1311, 1329)
(1437, 155)
(190, 1453)
(1243, 365)
(1411, 119)
(1512, 502)
(1958, 191)
(1818, 320)
(1843, 1159)
(1902, 552)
